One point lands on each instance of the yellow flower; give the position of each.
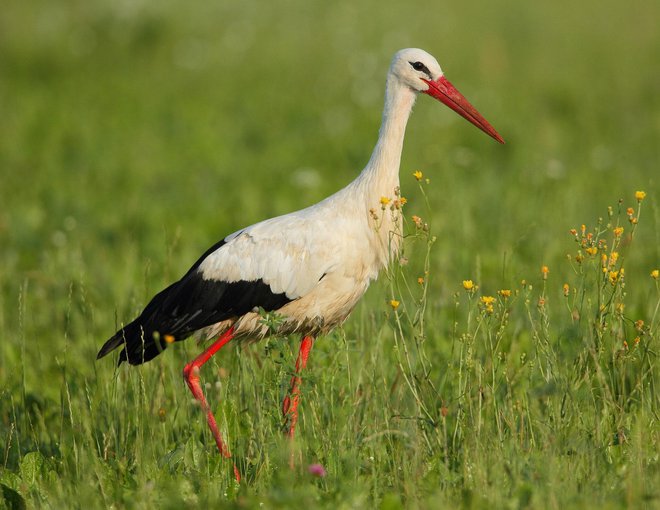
(630, 211)
(468, 285)
(613, 258)
(420, 280)
(566, 289)
(394, 304)
(384, 201)
(399, 202)
(417, 221)
(505, 293)
(417, 174)
(618, 231)
(488, 301)
(640, 195)
(544, 272)
(655, 274)
(592, 250)
(639, 325)
(573, 232)
(613, 276)
(168, 339)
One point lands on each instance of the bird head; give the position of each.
(421, 72)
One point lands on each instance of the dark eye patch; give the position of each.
(418, 66)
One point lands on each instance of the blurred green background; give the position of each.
(135, 134)
(133, 120)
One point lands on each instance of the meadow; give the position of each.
(509, 359)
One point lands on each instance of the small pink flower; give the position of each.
(316, 470)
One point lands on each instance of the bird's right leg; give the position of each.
(292, 399)
(191, 376)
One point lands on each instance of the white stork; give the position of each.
(310, 266)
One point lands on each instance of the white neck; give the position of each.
(381, 175)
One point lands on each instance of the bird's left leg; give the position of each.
(290, 404)
(191, 375)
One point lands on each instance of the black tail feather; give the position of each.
(139, 345)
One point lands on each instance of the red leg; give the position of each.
(290, 404)
(191, 375)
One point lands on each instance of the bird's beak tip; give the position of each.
(442, 90)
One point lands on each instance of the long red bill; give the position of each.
(446, 93)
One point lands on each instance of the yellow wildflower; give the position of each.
(420, 280)
(168, 339)
(639, 325)
(655, 274)
(630, 211)
(566, 288)
(417, 174)
(417, 221)
(544, 272)
(573, 232)
(468, 285)
(505, 293)
(613, 277)
(636, 340)
(618, 231)
(384, 201)
(592, 250)
(614, 256)
(488, 301)
(398, 203)
(394, 304)
(640, 195)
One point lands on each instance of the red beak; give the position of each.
(446, 93)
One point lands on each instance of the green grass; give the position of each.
(134, 135)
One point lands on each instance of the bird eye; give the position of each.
(418, 66)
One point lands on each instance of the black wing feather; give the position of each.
(186, 306)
